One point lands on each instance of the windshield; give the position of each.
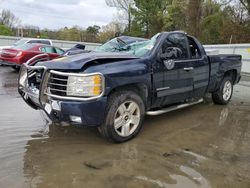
(138, 49)
(20, 42)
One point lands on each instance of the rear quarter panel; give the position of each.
(220, 64)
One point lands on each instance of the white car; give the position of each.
(33, 41)
(30, 41)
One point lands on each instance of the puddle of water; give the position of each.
(192, 179)
(216, 138)
(199, 158)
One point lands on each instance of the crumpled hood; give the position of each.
(79, 61)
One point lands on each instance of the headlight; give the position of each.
(85, 86)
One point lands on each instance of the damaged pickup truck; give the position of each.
(115, 86)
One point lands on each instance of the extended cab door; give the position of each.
(201, 68)
(183, 71)
(178, 80)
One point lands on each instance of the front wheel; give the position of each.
(225, 92)
(124, 117)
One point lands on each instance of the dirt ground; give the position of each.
(201, 146)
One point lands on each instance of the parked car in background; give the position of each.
(29, 41)
(20, 54)
(33, 41)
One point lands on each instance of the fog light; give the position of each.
(76, 119)
(56, 105)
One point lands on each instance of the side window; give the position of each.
(194, 49)
(175, 47)
(59, 51)
(43, 49)
(48, 49)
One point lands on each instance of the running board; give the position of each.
(172, 108)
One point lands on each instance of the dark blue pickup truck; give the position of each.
(116, 85)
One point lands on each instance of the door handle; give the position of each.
(188, 68)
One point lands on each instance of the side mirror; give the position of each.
(168, 62)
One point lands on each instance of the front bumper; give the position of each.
(89, 112)
(7, 63)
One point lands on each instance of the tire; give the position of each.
(124, 116)
(224, 93)
(16, 68)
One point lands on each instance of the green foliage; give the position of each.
(208, 20)
(211, 27)
(4, 30)
(211, 21)
(149, 16)
(175, 17)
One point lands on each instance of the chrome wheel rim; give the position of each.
(127, 118)
(227, 91)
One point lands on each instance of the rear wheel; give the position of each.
(124, 118)
(225, 92)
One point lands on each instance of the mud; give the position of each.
(202, 146)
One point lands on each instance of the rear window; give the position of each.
(45, 42)
(39, 42)
(24, 47)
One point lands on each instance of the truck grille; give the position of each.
(57, 85)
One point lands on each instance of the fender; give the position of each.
(122, 73)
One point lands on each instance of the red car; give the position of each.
(18, 55)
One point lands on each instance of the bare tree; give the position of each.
(125, 6)
(246, 4)
(9, 19)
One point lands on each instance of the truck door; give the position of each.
(201, 68)
(178, 80)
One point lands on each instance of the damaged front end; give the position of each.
(57, 93)
(29, 82)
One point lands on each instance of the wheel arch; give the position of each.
(232, 73)
(140, 88)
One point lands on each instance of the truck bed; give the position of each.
(219, 64)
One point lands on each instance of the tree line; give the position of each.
(211, 21)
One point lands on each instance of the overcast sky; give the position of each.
(54, 14)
